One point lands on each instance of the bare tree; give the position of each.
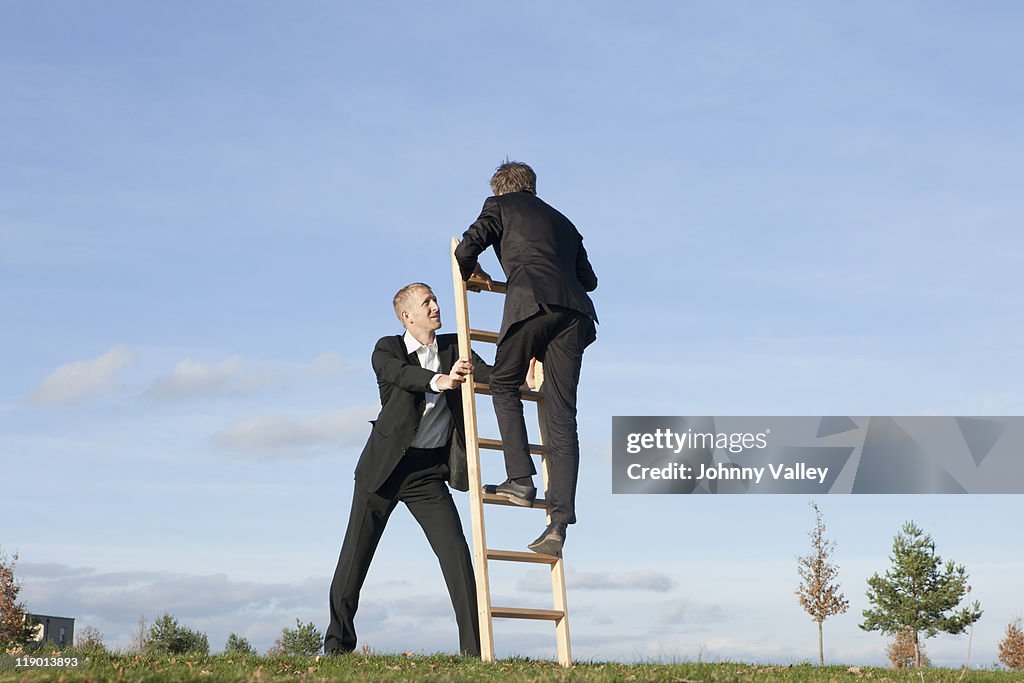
(819, 590)
(138, 643)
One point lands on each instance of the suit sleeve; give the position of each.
(584, 271)
(485, 232)
(481, 369)
(396, 371)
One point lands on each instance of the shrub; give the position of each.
(89, 639)
(902, 653)
(15, 631)
(166, 636)
(304, 641)
(1011, 649)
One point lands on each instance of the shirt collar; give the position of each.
(412, 344)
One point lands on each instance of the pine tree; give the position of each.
(919, 594)
(237, 645)
(167, 636)
(15, 630)
(818, 590)
(1011, 649)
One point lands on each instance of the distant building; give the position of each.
(57, 630)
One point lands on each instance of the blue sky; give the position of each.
(206, 208)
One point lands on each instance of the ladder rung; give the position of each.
(495, 445)
(524, 613)
(495, 499)
(497, 287)
(527, 394)
(484, 336)
(519, 556)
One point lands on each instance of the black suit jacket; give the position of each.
(402, 383)
(540, 251)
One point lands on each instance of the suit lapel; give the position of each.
(446, 352)
(413, 357)
(446, 355)
(418, 398)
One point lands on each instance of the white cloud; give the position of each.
(190, 379)
(277, 435)
(644, 580)
(682, 611)
(325, 365)
(53, 570)
(437, 606)
(76, 381)
(238, 376)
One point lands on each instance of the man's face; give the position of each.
(422, 312)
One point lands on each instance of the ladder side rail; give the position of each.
(476, 505)
(558, 593)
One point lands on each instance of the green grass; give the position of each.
(126, 667)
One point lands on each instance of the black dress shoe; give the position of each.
(551, 541)
(516, 493)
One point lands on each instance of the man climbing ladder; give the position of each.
(548, 316)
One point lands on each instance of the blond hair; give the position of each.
(404, 296)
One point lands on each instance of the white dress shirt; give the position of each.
(435, 425)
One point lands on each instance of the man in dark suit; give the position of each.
(548, 316)
(416, 444)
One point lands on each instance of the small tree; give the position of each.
(138, 643)
(166, 636)
(902, 653)
(238, 645)
(15, 630)
(303, 641)
(1011, 649)
(818, 590)
(918, 594)
(89, 639)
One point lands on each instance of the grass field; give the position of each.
(116, 667)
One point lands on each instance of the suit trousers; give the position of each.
(557, 337)
(419, 482)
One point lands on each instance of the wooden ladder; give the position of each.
(477, 498)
